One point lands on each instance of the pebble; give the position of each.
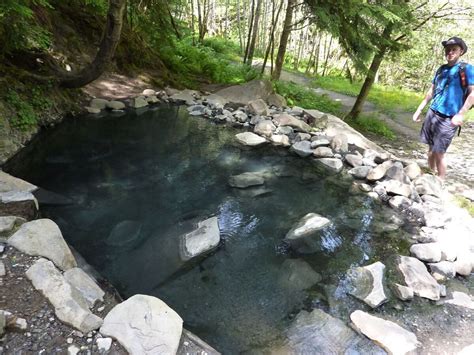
(69, 340)
(2, 248)
(100, 309)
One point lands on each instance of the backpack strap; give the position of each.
(462, 75)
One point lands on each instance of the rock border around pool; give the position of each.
(442, 249)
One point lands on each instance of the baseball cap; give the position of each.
(455, 40)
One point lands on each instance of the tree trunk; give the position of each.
(283, 40)
(327, 56)
(249, 35)
(110, 40)
(254, 33)
(272, 35)
(316, 64)
(239, 26)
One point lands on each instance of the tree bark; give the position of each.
(254, 33)
(110, 40)
(284, 40)
(369, 79)
(249, 34)
(272, 35)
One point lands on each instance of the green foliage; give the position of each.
(297, 95)
(18, 27)
(373, 125)
(26, 106)
(204, 61)
(388, 99)
(466, 204)
(223, 46)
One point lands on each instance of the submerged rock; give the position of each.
(124, 234)
(298, 275)
(250, 139)
(203, 239)
(245, 180)
(367, 284)
(304, 236)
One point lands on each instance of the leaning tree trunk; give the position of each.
(369, 79)
(110, 40)
(284, 40)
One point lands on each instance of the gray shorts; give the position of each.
(437, 132)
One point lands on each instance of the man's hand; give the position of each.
(416, 116)
(457, 120)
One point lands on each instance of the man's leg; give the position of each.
(440, 164)
(431, 160)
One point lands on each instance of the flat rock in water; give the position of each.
(389, 335)
(203, 239)
(332, 165)
(367, 282)
(144, 325)
(298, 275)
(319, 333)
(245, 180)
(303, 148)
(43, 237)
(250, 139)
(309, 224)
(125, 234)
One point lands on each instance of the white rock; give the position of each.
(379, 171)
(309, 224)
(429, 252)
(69, 305)
(368, 284)
(418, 278)
(201, 240)
(139, 102)
(468, 350)
(404, 293)
(92, 110)
(412, 170)
(103, 344)
(393, 338)
(148, 92)
(144, 325)
(443, 270)
(461, 299)
(9, 182)
(332, 165)
(360, 172)
(83, 283)
(116, 105)
(250, 139)
(280, 139)
(258, 107)
(323, 152)
(7, 224)
(73, 350)
(42, 237)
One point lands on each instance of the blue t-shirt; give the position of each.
(448, 94)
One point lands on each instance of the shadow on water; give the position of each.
(139, 182)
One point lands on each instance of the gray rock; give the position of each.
(3, 323)
(148, 92)
(417, 277)
(242, 94)
(250, 139)
(258, 107)
(400, 203)
(296, 111)
(276, 100)
(461, 299)
(69, 305)
(86, 286)
(303, 148)
(353, 160)
(297, 275)
(429, 252)
(369, 162)
(124, 234)
(265, 128)
(412, 170)
(280, 139)
(18, 203)
(395, 187)
(323, 152)
(464, 263)
(286, 130)
(467, 350)
(139, 102)
(367, 284)
(396, 172)
(203, 239)
(393, 338)
(98, 103)
(245, 180)
(92, 110)
(42, 237)
(144, 325)
(9, 183)
(319, 333)
(115, 105)
(183, 96)
(332, 165)
(379, 171)
(302, 137)
(215, 101)
(305, 235)
(360, 172)
(7, 224)
(191, 344)
(241, 116)
(254, 120)
(443, 270)
(3, 271)
(285, 119)
(319, 142)
(428, 185)
(404, 293)
(339, 143)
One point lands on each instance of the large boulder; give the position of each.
(215, 101)
(69, 305)
(42, 237)
(258, 107)
(242, 94)
(144, 325)
(276, 100)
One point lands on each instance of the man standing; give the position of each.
(452, 91)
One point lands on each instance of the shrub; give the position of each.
(373, 125)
